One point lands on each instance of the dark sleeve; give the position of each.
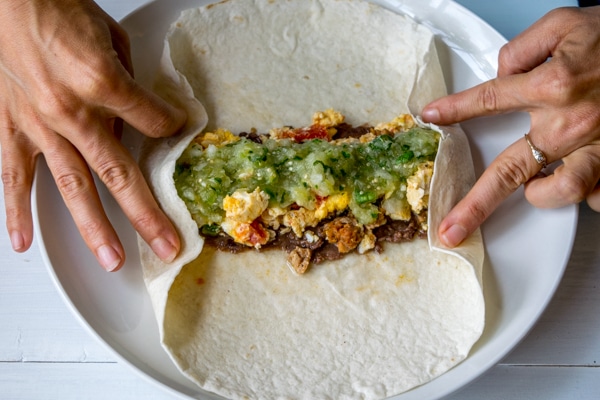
(588, 3)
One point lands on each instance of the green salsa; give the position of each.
(293, 173)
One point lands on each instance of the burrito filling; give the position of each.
(316, 192)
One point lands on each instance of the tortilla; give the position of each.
(367, 326)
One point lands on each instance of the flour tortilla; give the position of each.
(364, 327)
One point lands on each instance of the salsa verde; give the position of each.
(298, 174)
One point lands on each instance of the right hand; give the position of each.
(551, 71)
(65, 84)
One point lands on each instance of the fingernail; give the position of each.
(431, 115)
(164, 249)
(17, 241)
(108, 257)
(453, 236)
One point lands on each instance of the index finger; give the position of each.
(541, 40)
(126, 98)
(512, 168)
(492, 97)
(142, 109)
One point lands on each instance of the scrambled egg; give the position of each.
(368, 137)
(241, 209)
(220, 137)
(327, 118)
(417, 190)
(333, 204)
(302, 218)
(280, 133)
(272, 216)
(400, 123)
(245, 207)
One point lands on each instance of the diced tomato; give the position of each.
(320, 199)
(259, 233)
(309, 133)
(254, 233)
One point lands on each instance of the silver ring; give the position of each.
(539, 155)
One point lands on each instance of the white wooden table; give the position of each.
(45, 354)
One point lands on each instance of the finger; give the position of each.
(149, 113)
(120, 38)
(117, 169)
(124, 180)
(77, 188)
(571, 182)
(512, 168)
(492, 97)
(121, 44)
(540, 41)
(141, 108)
(18, 165)
(522, 54)
(531, 47)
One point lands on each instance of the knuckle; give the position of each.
(17, 193)
(55, 103)
(17, 212)
(563, 13)
(116, 175)
(99, 78)
(559, 85)
(511, 174)
(72, 184)
(477, 212)
(505, 56)
(13, 179)
(90, 228)
(162, 124)
(15, 215)
(143, 220)
(487, 99)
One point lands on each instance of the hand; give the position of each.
(552, 71)
(65, 85)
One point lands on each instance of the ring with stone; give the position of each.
(538, 154)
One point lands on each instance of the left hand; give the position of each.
(552, 71)
(65, 84)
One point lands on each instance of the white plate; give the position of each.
(527, 248)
